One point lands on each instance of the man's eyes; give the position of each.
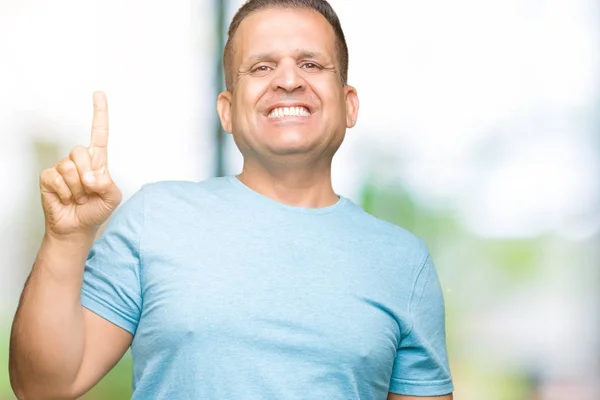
(307, 65)
(261, 68)
(311, 65)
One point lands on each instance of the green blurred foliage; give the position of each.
(5, 390)
(516, 259)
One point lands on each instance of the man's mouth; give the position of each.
(281, 112)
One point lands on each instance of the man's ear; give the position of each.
(352, 105)
(224, 110)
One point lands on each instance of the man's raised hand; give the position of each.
(78, 194)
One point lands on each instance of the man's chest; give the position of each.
(263, 299)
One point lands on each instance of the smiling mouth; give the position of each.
(282, 112)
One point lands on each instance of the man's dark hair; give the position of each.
(320, 6)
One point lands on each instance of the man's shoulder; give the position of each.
(186, 191)
(172, 188)
(171, 197)
(377, 225)
(386, 235)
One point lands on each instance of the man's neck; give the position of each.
(300, 188)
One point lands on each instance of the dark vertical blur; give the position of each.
(220, 24)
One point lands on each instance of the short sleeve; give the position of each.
(421, 364)
(111, 281)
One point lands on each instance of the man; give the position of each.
(265, 285)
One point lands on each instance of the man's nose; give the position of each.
(288, 77)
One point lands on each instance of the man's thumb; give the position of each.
(103, 185)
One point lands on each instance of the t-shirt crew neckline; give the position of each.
(267, 201)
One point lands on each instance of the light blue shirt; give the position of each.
(232, 295)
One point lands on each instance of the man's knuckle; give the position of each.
(77, 151)
(58, 180)
(67, 166)
(45, 174)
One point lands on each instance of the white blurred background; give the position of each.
(479, 130)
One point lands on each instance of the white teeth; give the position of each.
(280, 112)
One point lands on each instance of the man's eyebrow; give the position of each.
(259, 57)
(298, 53)
(311, 54)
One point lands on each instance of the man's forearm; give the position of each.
(47, 338)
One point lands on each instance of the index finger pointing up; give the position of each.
(100, 121)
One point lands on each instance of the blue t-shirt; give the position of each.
(232, 295)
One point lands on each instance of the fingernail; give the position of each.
(89, 177)
(82, 200)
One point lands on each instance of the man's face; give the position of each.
(287, 94)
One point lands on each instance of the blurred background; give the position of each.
(479, 131)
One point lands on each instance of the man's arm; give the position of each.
(58, 349)
(394, 396)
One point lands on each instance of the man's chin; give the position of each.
(290, 145)
(290, 150)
